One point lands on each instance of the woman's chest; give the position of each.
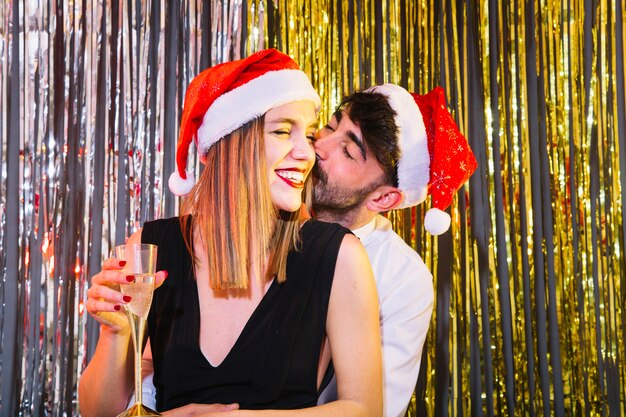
(226, 316)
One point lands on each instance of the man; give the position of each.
(385, 149)
(373, 156)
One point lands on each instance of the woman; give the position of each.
(257, 299)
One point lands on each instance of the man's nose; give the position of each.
(320, 143)
(320, 148)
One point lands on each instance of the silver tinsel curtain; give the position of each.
(529, 316)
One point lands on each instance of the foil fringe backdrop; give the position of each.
(529, 313)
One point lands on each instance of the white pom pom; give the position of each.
(436, 221)
(180, 186)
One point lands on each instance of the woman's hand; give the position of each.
(200, 410)
(104, 299)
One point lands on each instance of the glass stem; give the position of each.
(137, 326)
(138, 388)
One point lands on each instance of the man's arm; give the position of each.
(405, 313)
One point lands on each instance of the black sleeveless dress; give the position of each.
(274, 362)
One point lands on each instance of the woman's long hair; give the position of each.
(232, 210)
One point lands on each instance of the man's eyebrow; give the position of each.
(354, 138)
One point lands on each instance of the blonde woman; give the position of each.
(258, 298)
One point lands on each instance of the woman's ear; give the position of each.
(385, 198)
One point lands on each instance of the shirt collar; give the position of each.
(364, 231)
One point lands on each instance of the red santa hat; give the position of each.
(223, 98)
(435, 158)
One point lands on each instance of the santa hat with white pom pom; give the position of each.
(225, 97)
(435, 157)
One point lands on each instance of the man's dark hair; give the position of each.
(376, 119)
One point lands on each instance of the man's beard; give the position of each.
(334, 199)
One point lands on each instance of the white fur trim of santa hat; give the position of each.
(414, 164)
(237, 107)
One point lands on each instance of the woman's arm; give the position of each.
(354, 333)
(107, 382)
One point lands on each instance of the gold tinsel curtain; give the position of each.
(529, 316)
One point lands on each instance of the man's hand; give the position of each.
(197, 410)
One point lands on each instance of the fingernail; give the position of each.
(130, 278)
(127, 298)
(117, 307)
(122, 263)
(166, 274)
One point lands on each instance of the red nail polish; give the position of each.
(117, 308)
(122, 263)
(166, 274)
(130, 278)
(127, 298)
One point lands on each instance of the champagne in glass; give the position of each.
(141, 263)
(140, 292)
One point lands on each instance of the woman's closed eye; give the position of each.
(281, 132)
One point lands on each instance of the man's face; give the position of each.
(345, 172)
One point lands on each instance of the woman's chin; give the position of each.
(288, 206)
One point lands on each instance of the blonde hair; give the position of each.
(231, 208)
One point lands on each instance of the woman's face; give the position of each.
(289, 153)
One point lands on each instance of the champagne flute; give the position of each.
(141, 263)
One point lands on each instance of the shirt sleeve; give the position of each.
(148, 393)
(406, 308)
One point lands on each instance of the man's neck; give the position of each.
(352, 219)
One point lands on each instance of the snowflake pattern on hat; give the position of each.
(451, 159)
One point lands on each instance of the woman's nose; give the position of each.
(303, 149)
